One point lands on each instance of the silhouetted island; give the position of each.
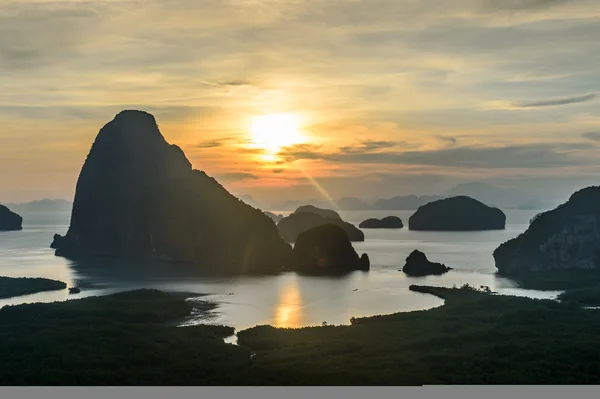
(326, 213)
(388, 222)
(138, 197)
(291, 226)
(417, 265)
(9, 221)
(567, 237)
(327, 248)
(457, 214)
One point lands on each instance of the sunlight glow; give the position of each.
(274, 131)
(288, 311)
(320, 189)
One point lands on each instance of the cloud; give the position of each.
(556, 102)
(390, 70)
(516, 5)
(218, 142)
(506, 157)
(300, 151)
(38, 34)
(209, 143)
(236, 176)
(237, 83)
(592, 136)
(367, 146)
(104, 113)
(447, 139)
(229, 83)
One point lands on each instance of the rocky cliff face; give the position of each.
(567, 237)
(457, 214)
(9, 221)
(326, 248)
(138, 197)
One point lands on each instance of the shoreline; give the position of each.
(13, 287)
(433, 346)
(207, 305)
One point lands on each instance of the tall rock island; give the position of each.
(567, 237)
(138, 197)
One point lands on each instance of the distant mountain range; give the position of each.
(486, 193)
(505, 198)
(406, 202)
(43, 205)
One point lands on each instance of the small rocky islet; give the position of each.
(417, 265)
(388, 222)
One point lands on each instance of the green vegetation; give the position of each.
(589, 296)
(10, 286)
(558, 280)
(120, 339)
(581, 287)
(475, 338)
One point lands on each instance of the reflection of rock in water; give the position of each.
(107, 273)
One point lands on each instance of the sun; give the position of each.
(274, 131)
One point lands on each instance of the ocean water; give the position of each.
(285, 300)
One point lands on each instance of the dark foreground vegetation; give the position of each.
(558, 280)
(122, 339)
(582, 296)
(11, 286)
(475, 338)
(129, 339)
(580, 286)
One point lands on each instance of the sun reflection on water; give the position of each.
(288, 313)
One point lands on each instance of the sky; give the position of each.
(391, 97)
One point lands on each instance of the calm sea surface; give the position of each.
(285, 300)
